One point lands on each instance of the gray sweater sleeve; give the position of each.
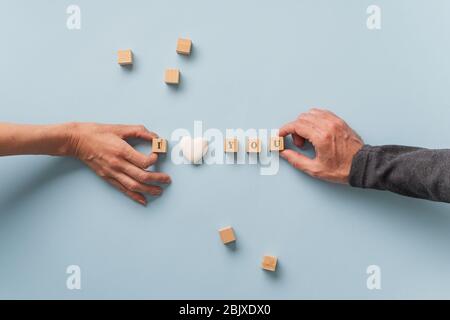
(413, 172)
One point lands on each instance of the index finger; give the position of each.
(301, 128)
(139, 132)
(286, 129)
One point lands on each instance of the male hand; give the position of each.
(334, 141)
(104, 149)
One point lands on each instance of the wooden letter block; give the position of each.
(125, 57)
(269, 263)
(276, 144)
(253, 146)
(231, 145)
(184, 46)
(172, 76)
(159, 145)
(227, 235)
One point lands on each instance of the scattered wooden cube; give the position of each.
(184, 46)
(172, 76)
(276, 144)
(231, 145)
(125, 57)
(269, 263)
(227, 235)
(159, 145)
(253, 145)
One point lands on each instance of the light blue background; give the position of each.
(255, 64)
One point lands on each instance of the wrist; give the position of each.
(68, 137)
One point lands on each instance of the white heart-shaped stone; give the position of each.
(193, 149)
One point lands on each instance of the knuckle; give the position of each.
(327, 136)
(297, 165)
(335, 126)
(114, 162)
(120, 152)
(143, 177)
(314, 172)
(302, 115)
(147, 163)
(340, 123)
(302, 121)
(133, 186)
(153, 158)
(291, 161)
(160, 178)
(141, 164)
(164, 178)
(150, 176)
(102, 173)
(155, 190)
(120, 187)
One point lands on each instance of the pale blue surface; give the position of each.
(255, 64)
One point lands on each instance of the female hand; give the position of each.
(103, 148)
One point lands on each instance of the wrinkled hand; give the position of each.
(334, 141)
(104, 149)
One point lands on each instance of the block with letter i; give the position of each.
(159, 145)
(125, 57)
(276, 144)
(231, 145)
(253, 145)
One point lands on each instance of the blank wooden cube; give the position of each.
(172, 76)
(227, 235)
(159, 145)
(276, 144)
(253, 145)
(231, 145)
(269, 263)
(125, 57)
(184, 46)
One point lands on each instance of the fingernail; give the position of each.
(143, 202)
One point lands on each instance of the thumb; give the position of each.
(139, 132)
(297, 160)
